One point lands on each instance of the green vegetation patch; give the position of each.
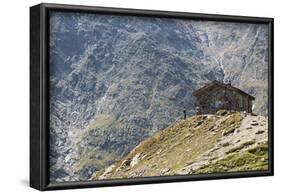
(95, 156)
(253, 159)
(260, 150)
(240, 147)
(229, 125)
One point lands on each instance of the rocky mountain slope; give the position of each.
(116, 80)
(225, 142)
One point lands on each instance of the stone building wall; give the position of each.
(212, 100)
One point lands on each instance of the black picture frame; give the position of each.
(39, 100)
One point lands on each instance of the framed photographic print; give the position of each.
(125, 96)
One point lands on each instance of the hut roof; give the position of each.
(213, 84)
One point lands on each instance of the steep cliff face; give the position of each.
(117, 80)
(224, 142)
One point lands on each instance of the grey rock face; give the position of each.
(116, 80)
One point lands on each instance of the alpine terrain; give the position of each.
(116, 81)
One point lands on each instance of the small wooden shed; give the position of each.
(217, 95)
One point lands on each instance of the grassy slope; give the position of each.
(179, 145)
(252, 159)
